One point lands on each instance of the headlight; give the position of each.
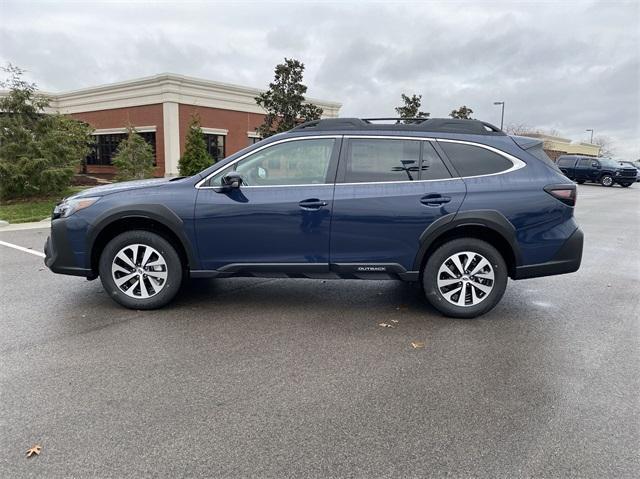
(71, 205)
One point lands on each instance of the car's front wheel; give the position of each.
(625, 185)
(606, 180)
(465, 278)
(140, 270)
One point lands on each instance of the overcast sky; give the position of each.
(558, 65)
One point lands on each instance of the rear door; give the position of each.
(388, 191)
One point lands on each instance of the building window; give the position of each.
(215, 146)
(254, 139)
(105, 147)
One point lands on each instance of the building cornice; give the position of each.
(168, 87)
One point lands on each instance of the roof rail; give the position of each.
(442, 125)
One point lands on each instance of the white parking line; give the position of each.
(20, 248)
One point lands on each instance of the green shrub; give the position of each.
(134, 157)
(39, 152)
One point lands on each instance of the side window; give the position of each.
(585, 163)
(372, 160)
(472, 160)
(565, 162)
(432, 166)
(295, 162)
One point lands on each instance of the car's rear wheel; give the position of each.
(465, 278)
(140, 270)
(580, 182)
(606, 180)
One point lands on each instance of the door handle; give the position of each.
(434, 200)
(312, 204)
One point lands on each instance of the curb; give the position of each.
(4, 226)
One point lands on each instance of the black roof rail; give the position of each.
(442, 125)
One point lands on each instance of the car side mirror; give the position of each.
(595, 165)
(230, 181)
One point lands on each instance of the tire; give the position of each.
(625, 185)
(161, 277)
(606, 180)
(487, 297)
(580, 182)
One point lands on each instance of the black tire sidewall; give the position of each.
(625, 185)
(430, 274)
(174, 267)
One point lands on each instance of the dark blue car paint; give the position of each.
(361, 223)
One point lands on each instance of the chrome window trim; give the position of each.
(284, 140)
(516, 162)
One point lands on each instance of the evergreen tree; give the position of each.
(134, 157)
(284, 100)
(195, 157)
(411, 107)
(39, 152)
(463, 113)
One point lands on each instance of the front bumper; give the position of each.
(59, 256)
(566, 260)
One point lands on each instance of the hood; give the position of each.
(123, 186)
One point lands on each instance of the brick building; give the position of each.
(160, 108)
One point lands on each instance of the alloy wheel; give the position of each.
(139, 271)
(465, 279)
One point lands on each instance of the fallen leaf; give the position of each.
(386, 325)
(417, 344)
(34, 450)
(395, 321)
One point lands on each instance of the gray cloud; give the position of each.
(565, 65)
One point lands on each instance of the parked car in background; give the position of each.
(634, 164)
(456, 205)
(605, 171)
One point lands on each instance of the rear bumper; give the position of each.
(566, 260)
(59, 256)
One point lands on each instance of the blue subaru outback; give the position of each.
(454, 204)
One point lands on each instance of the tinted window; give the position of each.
(291, 163)
(585, 163)
(382, 160)
(472, 160)
(105, 147)
(215, 146)
(432, 166)
(565, 161)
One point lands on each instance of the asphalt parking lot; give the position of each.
(294, 378)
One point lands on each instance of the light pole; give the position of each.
(591, 130)
(501, 116)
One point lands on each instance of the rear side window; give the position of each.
(565, 161)
(372, 160)
(585, 163)
(472, 160)
(432, 167)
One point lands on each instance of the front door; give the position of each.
(279, 218)
(387, 193)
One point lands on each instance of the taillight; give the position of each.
(565, 193)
